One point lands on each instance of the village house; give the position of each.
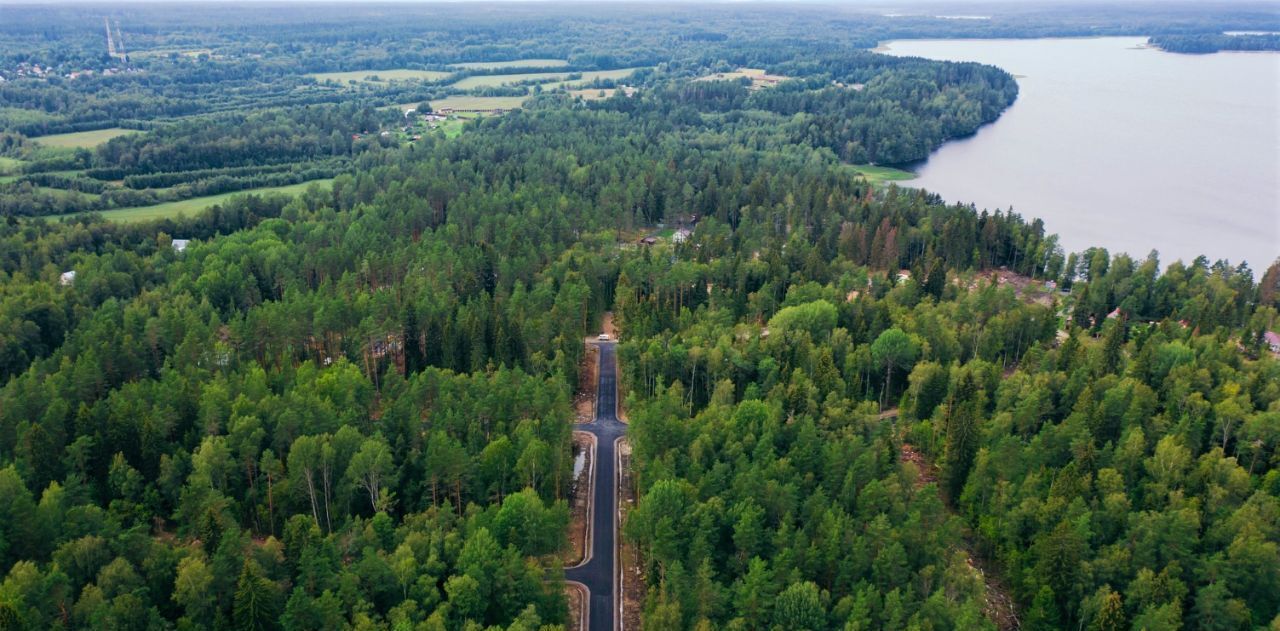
(1273, 341)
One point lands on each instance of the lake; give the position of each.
(1124, 147)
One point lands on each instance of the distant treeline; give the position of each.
(1216, 42)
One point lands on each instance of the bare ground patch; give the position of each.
(579, 498)
(576, 594)
(999, 606)
(584, 400)
(632, 575)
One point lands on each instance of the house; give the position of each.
(680, 236)
(179, 245)
(67, 278)
(1273, 341)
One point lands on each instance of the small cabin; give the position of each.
(67, 278)
(180, 245)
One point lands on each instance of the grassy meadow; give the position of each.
(196, 204)
(81, 139)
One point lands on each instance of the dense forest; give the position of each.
(852, 405)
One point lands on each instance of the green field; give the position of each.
(588, 77)
(551, 79)
(9, 165)
(400, 74)
(882, 174)
(515, 63)
(478, 102)
(86, 139)
(195, 204)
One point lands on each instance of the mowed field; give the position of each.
(196, 204)
(878, 174)
(550, 80)
(400, 74)
(86, 139)
(515, 63)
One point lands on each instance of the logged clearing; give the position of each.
(514, 63)
(373, 76)
(85, 139)
(195, 204)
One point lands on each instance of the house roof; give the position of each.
(1272, 337)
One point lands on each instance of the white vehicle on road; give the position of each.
(603, 337)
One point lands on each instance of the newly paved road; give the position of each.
(600, 573)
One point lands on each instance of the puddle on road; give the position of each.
(579, 460)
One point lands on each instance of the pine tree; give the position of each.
(255, 607)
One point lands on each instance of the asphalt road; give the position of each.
(600, 572)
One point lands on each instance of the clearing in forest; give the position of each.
(879, 175)
(79, 139)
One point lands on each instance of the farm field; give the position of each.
(759, 78)
(594, 94)
(195, 204)
(85, 139)
(514, 63)
(400, 74)
(587, 77)
(555, 79)
(478, 102)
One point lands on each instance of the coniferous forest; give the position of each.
(852, 405)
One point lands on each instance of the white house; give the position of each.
(67, 278)
(180, 244)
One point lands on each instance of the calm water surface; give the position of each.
(1122, 147)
